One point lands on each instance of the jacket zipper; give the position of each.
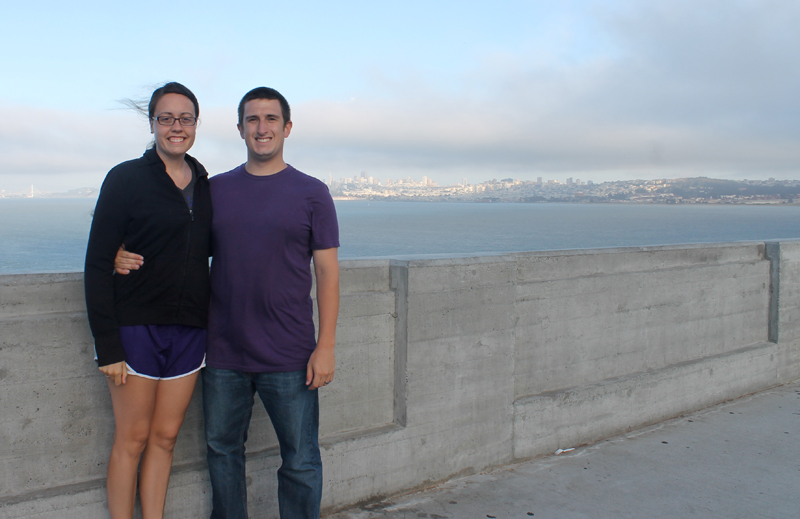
(188, 245)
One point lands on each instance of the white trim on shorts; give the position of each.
(132, 371)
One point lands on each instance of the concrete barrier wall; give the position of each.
(444, 367)
(596, 315)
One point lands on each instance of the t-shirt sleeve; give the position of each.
(324, 224)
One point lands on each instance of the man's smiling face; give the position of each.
(264, 130)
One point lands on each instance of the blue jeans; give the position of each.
(294, 411)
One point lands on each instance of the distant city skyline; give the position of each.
(661, 191)
(699, 190)
(589, 89)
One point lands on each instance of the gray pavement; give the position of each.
(740, 459)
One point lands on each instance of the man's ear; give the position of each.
(287, 129)
(241, 130)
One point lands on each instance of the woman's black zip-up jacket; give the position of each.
(140, 206)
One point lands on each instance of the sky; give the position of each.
(594, 90)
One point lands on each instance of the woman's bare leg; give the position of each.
(172, 399)
(133, 408)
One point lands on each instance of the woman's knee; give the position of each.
(131, 443)
(164, 437)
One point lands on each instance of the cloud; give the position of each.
(692, 89)
(671, 89)
(61, 149)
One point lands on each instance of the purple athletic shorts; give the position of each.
(163, 351)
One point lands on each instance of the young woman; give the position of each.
(149, 326)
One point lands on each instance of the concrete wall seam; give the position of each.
(773, 254)
(398, 274)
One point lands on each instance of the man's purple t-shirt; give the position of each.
(263, 233)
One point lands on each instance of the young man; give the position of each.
(269, 221)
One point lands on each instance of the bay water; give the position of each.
(50, 234)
